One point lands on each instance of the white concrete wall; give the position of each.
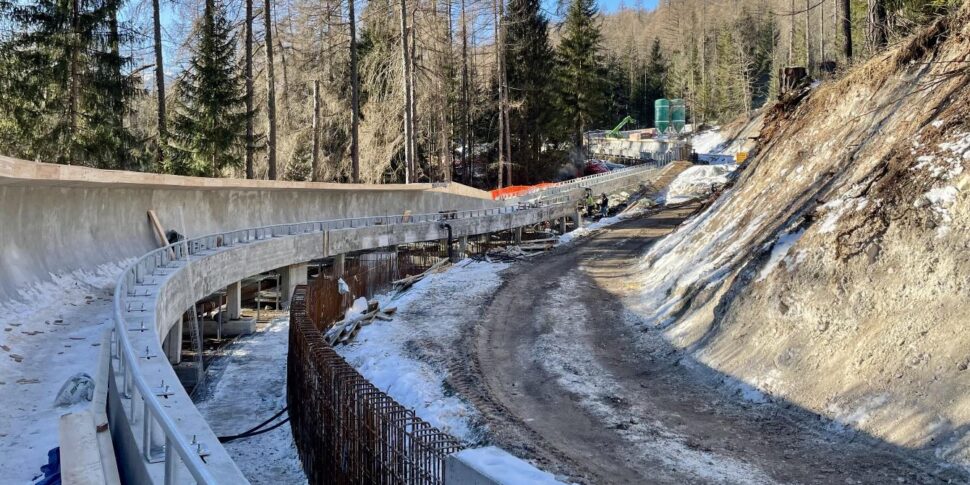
(56, 219)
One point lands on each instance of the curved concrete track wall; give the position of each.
(58, 218)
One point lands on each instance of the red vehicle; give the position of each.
(594, 167)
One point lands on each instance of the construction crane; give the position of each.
(615, 132)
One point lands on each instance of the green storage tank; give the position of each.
(661, 115)
(678, 114)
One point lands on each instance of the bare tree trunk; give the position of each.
(499, 45)
(159, 84)
(465, 101)
(285, 96)
(876, 34)
(808, 35)
(505, 113)
(315, 157)
(445, 115)
(354, 97)
(847, 29)
(117, 102)
(250, 142)
(405, 60)
(412, 102)
(791, 34)
(821, 32)
(270, 91)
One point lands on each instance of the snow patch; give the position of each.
(250, 388)
(779, 252)
(504, 468)
(837, 208)
(434, 311)
(855, 417)
(940, 200)
(709, 142)
(697, 182)
(51, 332)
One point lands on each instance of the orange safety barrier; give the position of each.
(514, 190)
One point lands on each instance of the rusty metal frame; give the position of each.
(347, 431)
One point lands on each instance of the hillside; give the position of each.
(834, 275)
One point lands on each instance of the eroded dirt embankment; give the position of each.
(835, 275)
(562, 377)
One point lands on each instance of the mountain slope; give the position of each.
(836, 274)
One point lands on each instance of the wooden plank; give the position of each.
(80, 453)
(159, 232)
(157, 228)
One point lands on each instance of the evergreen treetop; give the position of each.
(62, 83)
(210, 115)
(581, 68)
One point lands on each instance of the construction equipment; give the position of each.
(615, 132)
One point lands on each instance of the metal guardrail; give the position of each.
(136, 390)
(558, 188)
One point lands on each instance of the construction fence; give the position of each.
(346, 430)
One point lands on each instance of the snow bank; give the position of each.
(52, 332)
(504, 468)
(588, 229)
(711, 142)
(696, 182)
(406, 356)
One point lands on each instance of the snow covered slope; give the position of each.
(834, 275)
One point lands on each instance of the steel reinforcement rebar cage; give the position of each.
(346, 430)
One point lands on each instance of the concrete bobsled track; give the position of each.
(58, 218)
(64, 220)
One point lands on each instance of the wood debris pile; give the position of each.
(404, 284)
(511, 254)
(346, 330)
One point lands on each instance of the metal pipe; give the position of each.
(450, 240)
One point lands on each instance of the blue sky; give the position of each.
(604, 5)
(169, 10)
(613, 5)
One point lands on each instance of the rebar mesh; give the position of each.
(346, 430)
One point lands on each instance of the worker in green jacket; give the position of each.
(590, 203)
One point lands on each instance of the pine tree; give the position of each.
(63, 90)
(210, 118)
(530, 64)
(107, 140)
(581, 68)
(655, 76)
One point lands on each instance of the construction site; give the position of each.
(780, 299)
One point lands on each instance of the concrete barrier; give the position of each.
(493, 466)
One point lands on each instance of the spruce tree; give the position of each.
(652, 88)
(581, 68)
(530, 65)
(210, 115)
(64, 93)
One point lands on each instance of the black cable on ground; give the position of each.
(253, 431)
(227, 439)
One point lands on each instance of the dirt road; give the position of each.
(565, 377)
